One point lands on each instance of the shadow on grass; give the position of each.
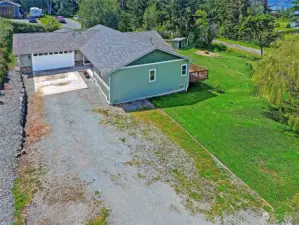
(196, 93)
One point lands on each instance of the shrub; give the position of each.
(219, 47)
(5, 46)
(51, 24)
(293, 122)
(27, 27)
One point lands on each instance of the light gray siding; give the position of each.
(78, 56)
(25, 61)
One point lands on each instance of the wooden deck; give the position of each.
(197, 73)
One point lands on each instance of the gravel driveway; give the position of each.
(9, 143)
(84, 163)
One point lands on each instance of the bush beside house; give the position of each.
(6, 31)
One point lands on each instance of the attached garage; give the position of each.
(53, 60)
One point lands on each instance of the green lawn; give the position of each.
(283, 24)
(233, 127)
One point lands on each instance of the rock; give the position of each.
(23, 152)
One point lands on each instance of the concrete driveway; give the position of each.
(58, 83)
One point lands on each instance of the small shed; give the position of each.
(294, 24)
(9, 9)
(178, 43)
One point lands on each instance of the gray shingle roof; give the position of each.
(10, 2)
(107, 49)
(151, 37)
(29, 43)
(111, 49)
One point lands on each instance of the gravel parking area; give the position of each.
(85, 155)
(10, 132)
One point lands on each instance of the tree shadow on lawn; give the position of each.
(196, 93)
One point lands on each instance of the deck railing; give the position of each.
(198, 73)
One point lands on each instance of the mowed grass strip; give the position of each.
(232, 126)
(228, 194)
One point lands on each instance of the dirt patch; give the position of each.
(36, 127)
(207, 53)
(70, 189)
(62, 84)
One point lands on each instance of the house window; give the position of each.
(50, 53)
(60, 52)
(35, 54)
(70, 51)
(184, 70)
(152, 75)
(55, 53)
(65, 52)
(40, 53)
(45, 53)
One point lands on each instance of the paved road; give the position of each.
(72, 24)
(240, 47)
(23, 20)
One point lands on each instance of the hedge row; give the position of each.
(6, 30)
(27, 27)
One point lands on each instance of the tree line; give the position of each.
(198, 20)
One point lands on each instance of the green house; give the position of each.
(126, 66)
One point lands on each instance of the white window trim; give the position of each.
(149, 75)
(183, 75)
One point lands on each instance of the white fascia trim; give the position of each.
(157, 63)
(188, 76)
(101, 80)
(109, 89)
(151, 96)
(108, 101)
(151, 50)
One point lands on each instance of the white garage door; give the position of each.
(53, 60)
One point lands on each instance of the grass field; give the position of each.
(283, 24)
(233, 127)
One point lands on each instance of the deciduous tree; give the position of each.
(260, 29)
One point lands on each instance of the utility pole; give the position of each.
(50, 7)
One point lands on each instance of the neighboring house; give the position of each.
(127, 66)
(179, 42)
(294, 24)
(9, 9)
